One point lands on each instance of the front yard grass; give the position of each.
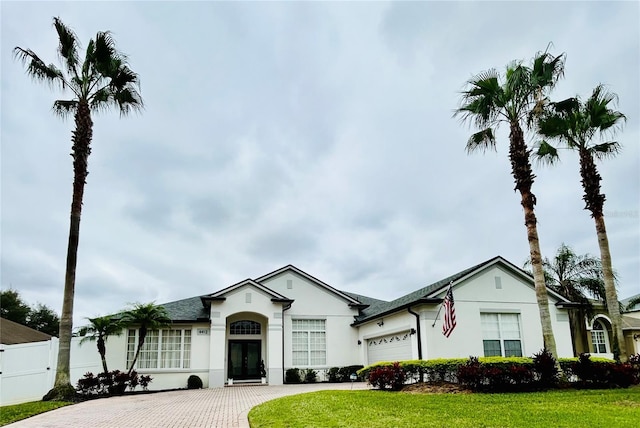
(16, 412)
(371, 409)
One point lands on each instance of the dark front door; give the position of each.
(244, 359)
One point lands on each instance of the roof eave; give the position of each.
(287, 301)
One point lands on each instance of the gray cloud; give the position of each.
(317, 134)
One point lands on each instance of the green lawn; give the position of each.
(10, 414)
(617, 408)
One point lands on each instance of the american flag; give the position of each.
(449, 313)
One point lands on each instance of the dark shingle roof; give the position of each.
(426, 293)
(190, 309)
(12, 333)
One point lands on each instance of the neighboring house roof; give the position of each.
(630, 323)
(625, 303)
(429, 293)
(12, 333)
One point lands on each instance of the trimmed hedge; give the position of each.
(498, 374)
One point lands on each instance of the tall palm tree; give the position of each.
(515, 98)
(575, 124)
(98, 82)
(147, 316)
(99, 329)
(579, 278)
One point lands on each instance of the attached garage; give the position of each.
(392, 347)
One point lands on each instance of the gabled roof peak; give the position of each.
(291, 268)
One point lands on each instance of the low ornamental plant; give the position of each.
(194, 382)
(546, 368)
(111, 383)
(388, 377)
(292, 376)
(310, 376)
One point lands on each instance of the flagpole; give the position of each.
(441, 305)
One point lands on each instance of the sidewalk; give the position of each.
(217, 407)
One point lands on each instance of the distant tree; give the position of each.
(147, 316)
(578, 278)
(44, 319)
(40, 317)
(575, 124)
(514, 98)
(99, 330)
(101, 81)
(12, 307)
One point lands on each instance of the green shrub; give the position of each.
(310, 376)
(292, 376)
(333, 374)
(194, 382)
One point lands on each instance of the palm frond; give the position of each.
(68, 46)
(566, 106)
(65, 108)
(605, 150)
(545, 153)
(105, 56)
(483, 140)
(547, 70)
(482, 102)
(37, 69)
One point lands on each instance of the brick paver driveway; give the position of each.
(216, 407)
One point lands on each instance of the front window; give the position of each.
(501, 335)
(599, 338)
(164, 349)
(309, 342)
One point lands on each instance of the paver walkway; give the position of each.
(200, 408)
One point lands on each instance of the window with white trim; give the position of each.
(501, 335)
(162, 349)
(309, 342)
(599, 338)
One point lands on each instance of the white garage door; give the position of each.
(392, 347)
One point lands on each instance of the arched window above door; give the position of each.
(245, 327)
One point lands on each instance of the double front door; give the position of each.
(244, 359)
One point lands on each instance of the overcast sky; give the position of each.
(314, 134)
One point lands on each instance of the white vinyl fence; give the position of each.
(27, 370)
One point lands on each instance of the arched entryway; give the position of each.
(246, 346)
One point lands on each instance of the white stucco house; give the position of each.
(290, 319)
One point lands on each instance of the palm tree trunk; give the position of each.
(523, 176)
(611, 295)
(102, 350)
(80, 151)
(141, 338)
(594, 201)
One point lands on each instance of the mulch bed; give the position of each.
(435, 388)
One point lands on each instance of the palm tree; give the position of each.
(515, 99)
(101, 81)
(100, 329)
(147, 317)
(577, 277)
(575, 124)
